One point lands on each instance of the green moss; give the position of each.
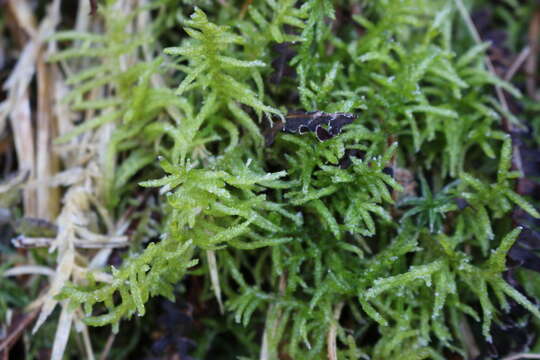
(295, 234)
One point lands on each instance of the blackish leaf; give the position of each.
(313, 119)
(322, 134)
(337, 124)
(346, 161)
(324, 125)
(388, 171)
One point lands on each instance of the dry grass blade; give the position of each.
(17, 105)
(66, 259)
(23, 242)
(29, 269)
(62, 333)
(48, 198)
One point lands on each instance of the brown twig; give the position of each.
(520, 59)
(108, 347)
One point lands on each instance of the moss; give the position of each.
(285, 233)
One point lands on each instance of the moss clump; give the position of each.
(313, 246)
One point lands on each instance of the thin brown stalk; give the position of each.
(48, 198)
(331, 344)
(108, 347)
(518, 62)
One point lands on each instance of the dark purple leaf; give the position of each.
(322, 134)
(324, 125)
